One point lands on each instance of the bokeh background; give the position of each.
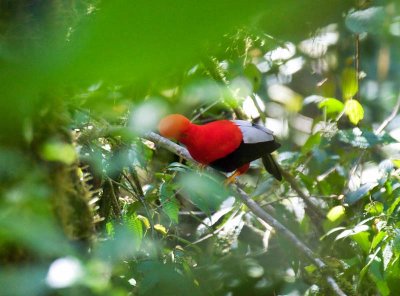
(90, 206)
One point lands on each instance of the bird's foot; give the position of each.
(232, 178)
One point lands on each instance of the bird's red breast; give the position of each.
(209, 142)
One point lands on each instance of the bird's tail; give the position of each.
(271, 166)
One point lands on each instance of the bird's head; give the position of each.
(173, 126)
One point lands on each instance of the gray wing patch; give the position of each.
(254, 133)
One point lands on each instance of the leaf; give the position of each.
(161, 229)
(369, 20)
(377, 239)
(354, 111)
(110, 229)
(334, 217)
(396, 162)
(336, 213)
(145, 221)
(254, 75)
(349, 83)
(169, 202)
(362, 239)
(375, 272)
(374, 208)
(331, 105)
(135, 225)
(204, 191)
(58, 151)
(312, 141)
(354, 196)
(353, 231)
(393, 206)
(363, 138)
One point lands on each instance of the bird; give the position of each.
(225, 145)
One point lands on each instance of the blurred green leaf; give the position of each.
(58, 151)
(331, 105)
(378, 238)
(349, 83)
(203, 191)
(369, 20)
(252, 73)
(375, 271)
(362, 239)
(374, 208)
(354, 111)
(336, 213)
(312, 141)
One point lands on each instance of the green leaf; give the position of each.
(135, 226)
(331, 105)
(349, 83)
(254, 75)
(169, 202)
(336, 213)
(110, 229)
(354, 111)
(58, 151)
(369, 20)
(374, 208)
(334, 217)
(375, 272)
(393, 206)
(312, 141)
(377, 239)
(362, 239)
(363, 138)
(354, 196)
(204, 191)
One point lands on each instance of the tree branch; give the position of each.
(257, 211)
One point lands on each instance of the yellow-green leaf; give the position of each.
(145, 221)
(161, 229)
(354, 111)
(349, 83)
(336, 213)
(58, 151)
(331, 105)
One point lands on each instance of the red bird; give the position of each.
(225, 145)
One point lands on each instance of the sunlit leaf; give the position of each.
(374, 208)
(336, 213)
(161, 229)
(353, 231)
(378, 238)
(145, 221)
(58, 151)
(134, 225)
(331, 105)
(354, 111)
(362, 240)
(349, 83)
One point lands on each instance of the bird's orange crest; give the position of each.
(172, 126)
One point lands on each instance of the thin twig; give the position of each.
(257, 211)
